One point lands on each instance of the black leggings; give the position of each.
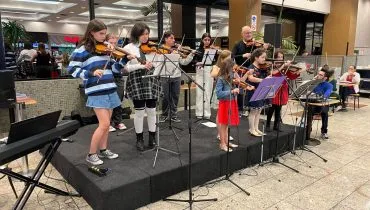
(141, 104)
(277, 110)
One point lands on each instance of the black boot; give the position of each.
(151, 140)
(140, 141)
(268, 128)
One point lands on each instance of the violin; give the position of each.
(240, 69)
(255, 43)
(243, 84)
(148, 47)
(103, 49)
(265, 66)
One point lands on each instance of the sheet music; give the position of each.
(209, 56)
(169, 68)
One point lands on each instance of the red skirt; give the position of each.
(223, 112)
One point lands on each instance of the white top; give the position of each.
(26, 55)
(133, 64)
(356, 79)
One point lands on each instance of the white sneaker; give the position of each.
(338, 108)
(120, 126)
(231, 138)
(112, 129)
(94, 159)
(108, 154)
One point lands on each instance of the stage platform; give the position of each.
(133, 182)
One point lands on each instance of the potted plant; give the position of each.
(152, 9)
(14, 32)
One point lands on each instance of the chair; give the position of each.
(355, 96)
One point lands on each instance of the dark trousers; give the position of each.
(117, 112)
(277, 109)
(242, 100)
(323, 111)
(344, 92)
(171, 92)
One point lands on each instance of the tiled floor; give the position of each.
(341, 183)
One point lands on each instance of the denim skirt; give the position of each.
(108, 101)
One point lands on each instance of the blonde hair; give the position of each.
(222, 56)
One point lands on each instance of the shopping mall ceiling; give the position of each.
(122, 12)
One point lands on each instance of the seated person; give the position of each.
(324, 89)
(353, 79)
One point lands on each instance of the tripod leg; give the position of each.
(12, 186)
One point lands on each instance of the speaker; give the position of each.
(7, 89)
(273, 34)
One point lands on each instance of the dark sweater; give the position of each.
(239, 49)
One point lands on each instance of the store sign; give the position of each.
(71, 39)
(254, 22)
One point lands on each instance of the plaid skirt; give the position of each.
(139, 88)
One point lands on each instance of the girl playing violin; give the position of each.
(202, 105)
(116, 121)
(99, 86)
(143, 92)
(281, 97)
(170, 99)
(258, 59)
(227, 107)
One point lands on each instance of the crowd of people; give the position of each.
(30, 63)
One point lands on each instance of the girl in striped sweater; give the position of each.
(96, 71)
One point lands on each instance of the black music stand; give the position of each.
(157, 147)
(267, 89)
(306, 89)
(207, 61)
(228, 174)
(191, 200)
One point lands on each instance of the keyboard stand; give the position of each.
(31, 183)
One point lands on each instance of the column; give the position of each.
(2, 51)
(240, 13)
(340, 28)
(91, 9)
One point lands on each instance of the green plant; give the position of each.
(152, 9)
(288, 44)
(14, 32)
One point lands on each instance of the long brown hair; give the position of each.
(88, 39)
(226, 69)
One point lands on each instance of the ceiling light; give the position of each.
(49, 20)
(124, 7)
(71, 12)
(83, 7)
(58, 17)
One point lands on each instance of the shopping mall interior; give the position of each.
(194, 82)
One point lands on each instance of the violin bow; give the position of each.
(110, 55)
(326, 57)
(295, 54)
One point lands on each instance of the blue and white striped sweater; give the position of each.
(83, 64)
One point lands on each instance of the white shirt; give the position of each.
(26, 55)
(356, 79)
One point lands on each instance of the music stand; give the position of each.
(161, 58)
(306, 88)
(207, 60)
(191, 200)
(267, 89)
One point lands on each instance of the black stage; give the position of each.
(133, 182)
